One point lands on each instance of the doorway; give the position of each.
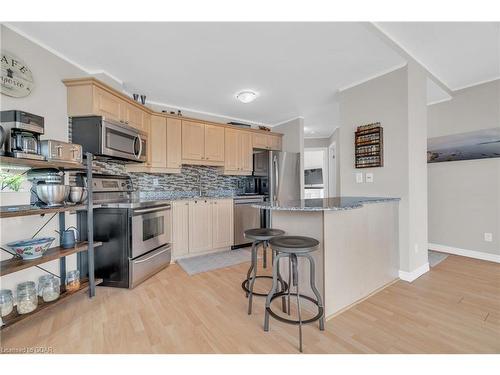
(316, 173)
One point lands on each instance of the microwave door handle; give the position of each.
(138, 139)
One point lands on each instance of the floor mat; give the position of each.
(210, 262)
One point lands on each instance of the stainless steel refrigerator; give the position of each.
(282, 172)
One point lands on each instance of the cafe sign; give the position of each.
(16, 78)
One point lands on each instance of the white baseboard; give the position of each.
(464, 252)
(415, 274)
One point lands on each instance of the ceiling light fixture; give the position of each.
(246, 96)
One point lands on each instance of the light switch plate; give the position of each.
(369, 177)
(359, 178)
(488, 237)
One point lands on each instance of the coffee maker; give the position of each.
(22, 132)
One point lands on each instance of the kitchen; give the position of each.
(182, 231)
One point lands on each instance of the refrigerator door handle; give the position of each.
(276, 177)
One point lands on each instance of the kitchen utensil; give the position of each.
(69, 237)
(76, 194)
(143, 99)
(31, 248)
(6, 302)
(84, 195)
(45, 175)
(73, 281)
(52, 194)
(54, 150)
(27, 299)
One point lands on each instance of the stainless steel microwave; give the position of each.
(109, 139)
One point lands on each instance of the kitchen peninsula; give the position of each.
(358, 250)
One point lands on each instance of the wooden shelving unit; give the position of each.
(29, 210)
(7, 161)
(369, 146)
(14, 317)
(17, 264)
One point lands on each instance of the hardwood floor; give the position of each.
(454, 308)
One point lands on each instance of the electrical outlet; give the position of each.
(488, 237)
(369, 177)
(156, 182)
(359, 178)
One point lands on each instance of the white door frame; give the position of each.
(326, 167)
(332, 169)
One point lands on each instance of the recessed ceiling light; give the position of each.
(246, 96)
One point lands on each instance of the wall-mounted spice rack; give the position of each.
(369, 146)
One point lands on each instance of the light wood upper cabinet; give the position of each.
(158, 142)
(174, 143)
(246, 152)
(108, 105)
(259, 140)
(274, 142)
(214, 143)
(222, 223)
(239, 152)
(266, 141)
(180, 228)
(134, 116)
(200, 226)
(193, 141)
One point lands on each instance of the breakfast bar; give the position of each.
(358, 250)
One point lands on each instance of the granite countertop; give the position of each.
(323, 204)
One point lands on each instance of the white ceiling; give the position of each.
(297, 68)
(460, 54)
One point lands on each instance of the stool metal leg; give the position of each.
(265, 244)
(295, 270)
(252, 266)
(282, 283)
(312, 275)
(273, 290)
(289, 281)
(253, 277)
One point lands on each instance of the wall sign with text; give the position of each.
(16, 78)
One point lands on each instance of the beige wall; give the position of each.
(397, 101)
(316, 142)
(48, 99)
(464, 196)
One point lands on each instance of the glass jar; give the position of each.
(27, 298)
(51, 289)
(42, 280)
(73, 281)
(6, 302)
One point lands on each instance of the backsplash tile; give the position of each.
(183, 184)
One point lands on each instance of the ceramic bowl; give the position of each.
(32, 248)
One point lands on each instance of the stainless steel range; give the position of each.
(136, 234)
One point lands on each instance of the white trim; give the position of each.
(477, 84)
(377, 75)
(284, 122)
(465, 253)
(415, 274)
(440, 101)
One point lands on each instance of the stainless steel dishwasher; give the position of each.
(246, 217)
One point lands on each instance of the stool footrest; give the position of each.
(244, 285)
(318, 316)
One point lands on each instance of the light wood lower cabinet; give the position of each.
(201, 225)
(180, 228)
(222, 223)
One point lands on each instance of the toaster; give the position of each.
(61, 151)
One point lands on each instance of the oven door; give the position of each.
(151, 228)
(123, 142)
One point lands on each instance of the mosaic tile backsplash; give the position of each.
(182, 184)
